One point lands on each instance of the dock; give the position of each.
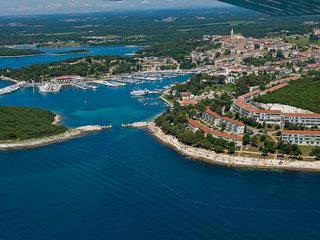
(136, 125)
(12, 88)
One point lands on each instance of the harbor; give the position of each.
(84, 83)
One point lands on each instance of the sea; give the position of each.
(123, 184)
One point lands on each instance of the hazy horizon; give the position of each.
(34, 7)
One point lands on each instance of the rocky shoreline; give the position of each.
(68, 135)
(211, 157)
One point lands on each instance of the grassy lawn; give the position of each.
(228, 88)
(302, 94)
(301, 41)
(20, 123)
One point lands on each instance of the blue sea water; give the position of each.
(123, 184)
(51, 56)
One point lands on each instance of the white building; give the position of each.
(311, 138)
(305, 119)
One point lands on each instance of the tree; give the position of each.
(281, 146)
(255, 141)
(246, 139)
(231, 148)
(316, 152)
(296, 152)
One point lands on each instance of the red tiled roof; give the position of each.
(272, 89)
(239, 123)
(196, 124)
(303, 115)
(207, 130)
(268, 111)
(301, 132)
(251, 94)
(188, 101)
(212, 113)
(242, 103)
(227, 135)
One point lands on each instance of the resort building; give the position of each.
(68, 79)
(247, 110)
(268, 116)
(232, 125)
(211, 116)
(197, 126)
(305, 119)
(311, 138)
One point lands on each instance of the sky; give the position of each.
(26, 7)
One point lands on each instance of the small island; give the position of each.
(14, 52)
(75, 51)
(24, 127)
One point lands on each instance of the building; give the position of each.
(197, 126)
(311, 138)
(211, 116)
(232, 125)
(68, 79)
(305, 119)
(268, 116)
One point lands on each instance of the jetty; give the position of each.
(136, 125)
(145, 92)
(12, 88)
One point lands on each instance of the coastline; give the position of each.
(211, 157)
(68, 135)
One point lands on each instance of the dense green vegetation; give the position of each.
(303, 93)
(200, 83)
(76, 51)
(261, 61)
(20, 123)
(88, 66)
(9, 52)
(175, 123)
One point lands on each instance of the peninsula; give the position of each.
(22, 127)
(15, 52)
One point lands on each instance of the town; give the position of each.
(225, 101)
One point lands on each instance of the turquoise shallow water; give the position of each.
(123, 184)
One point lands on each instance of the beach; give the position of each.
(211, 157)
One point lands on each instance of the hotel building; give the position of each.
(311, 138)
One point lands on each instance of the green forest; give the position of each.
(9, 52)
(303, 93)
(88, 66)
(22, 123)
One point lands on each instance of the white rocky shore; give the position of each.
(283, 108)
(229, 160)
(70, 134)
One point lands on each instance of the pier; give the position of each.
(136, 125)
(12, 88)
